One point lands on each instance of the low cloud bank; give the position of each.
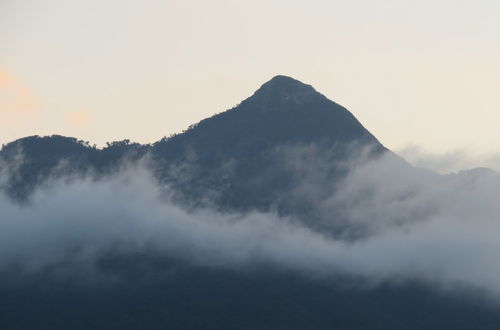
(416, 225)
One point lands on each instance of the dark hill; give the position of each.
(32, 160)
(243, 153)
(239, 157)
(282, 111)
(254, 156)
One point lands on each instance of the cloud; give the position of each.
(414, 225)
(79, 118)
(17, 102)
(441, 229)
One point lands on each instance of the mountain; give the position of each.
(31, 161)
(284, 149)
(242, 154)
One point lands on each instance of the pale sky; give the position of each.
(415, 73)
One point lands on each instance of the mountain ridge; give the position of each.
(262, 155)
(283, 87)
(227, 152)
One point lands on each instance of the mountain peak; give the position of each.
(284, 80)
(284, 89)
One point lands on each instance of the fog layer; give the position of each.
(415, 225)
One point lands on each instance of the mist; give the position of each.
(411, 225)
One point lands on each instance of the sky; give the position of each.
(418, 74)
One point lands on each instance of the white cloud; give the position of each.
(415, 225)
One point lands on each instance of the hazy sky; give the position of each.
(423, 73)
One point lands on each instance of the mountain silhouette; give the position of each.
(241, 154)
(283, 110)
(263, 154)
